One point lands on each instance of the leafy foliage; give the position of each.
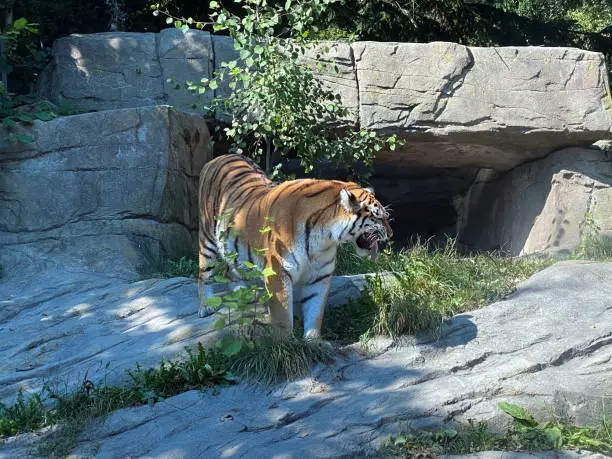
(271, 93)
(20, 53)
(526, 434)
(204, 368)
(22, 416)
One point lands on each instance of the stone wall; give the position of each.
(457, 106)
(108, 191)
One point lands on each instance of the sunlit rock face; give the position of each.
(110, 191)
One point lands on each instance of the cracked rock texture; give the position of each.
(484, 107)
(457, 106)
(67, 323)
(548, 347)
(546, 205)
(111, 191)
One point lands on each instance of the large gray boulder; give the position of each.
(549, 205)
(456, 106)
(111, 191)
(547, 348)
(486, 107)
(124, 69)
(105, 70)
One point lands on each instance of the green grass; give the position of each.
(596, 248)
(183, 267)
(525, 435)
(267, 360)
(71, 411)
(428, 285)
(23, 416)
(271, 359)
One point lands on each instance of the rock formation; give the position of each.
(460, 109)
(110, 191)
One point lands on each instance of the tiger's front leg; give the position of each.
(314, 298)
(280, 305)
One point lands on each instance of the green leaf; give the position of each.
(23, 138)
(213, 84)
(220, 324)
(9, 122)
(249, 265)
(267, 272)
(169, 20)
(25, 118)
(213, 301)
(517, 413)
(258, 49)
(213, 5)
(20, 24)
(265, 229)
(232, 348)
(554, 436)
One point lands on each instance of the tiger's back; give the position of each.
(308, 219)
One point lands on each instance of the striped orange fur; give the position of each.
(309, 218)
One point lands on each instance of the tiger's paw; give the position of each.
(315, 337)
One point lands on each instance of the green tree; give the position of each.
(276, 103)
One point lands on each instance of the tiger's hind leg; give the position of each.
(208, 254)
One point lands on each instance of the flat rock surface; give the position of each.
(72, 324)
(546, 347)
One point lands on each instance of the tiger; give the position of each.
(306, 219)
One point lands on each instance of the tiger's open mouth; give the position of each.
(368, 241)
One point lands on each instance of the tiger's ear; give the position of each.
(370, 190)
(349, 201)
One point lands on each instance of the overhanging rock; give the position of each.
(464, 106)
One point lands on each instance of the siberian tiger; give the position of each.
(308, 219)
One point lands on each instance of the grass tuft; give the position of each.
(183, 267)
(23, 416)
(272, 359)
(596, 248)
(429, 285)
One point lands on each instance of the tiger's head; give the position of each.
(368, 221)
